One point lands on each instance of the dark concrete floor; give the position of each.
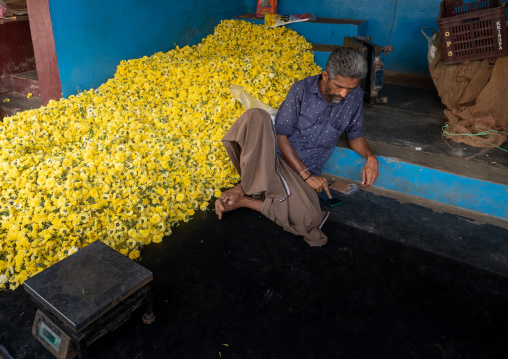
(244, 288)
(17, 102)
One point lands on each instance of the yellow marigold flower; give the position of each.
(134, 254)
(127, 161)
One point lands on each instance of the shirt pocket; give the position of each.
(328, 138)
(305, 124)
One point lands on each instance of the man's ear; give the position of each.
(325, 75)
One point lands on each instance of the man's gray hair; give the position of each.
(346, 62)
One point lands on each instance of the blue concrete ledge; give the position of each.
(447, 188)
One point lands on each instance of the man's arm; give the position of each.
(370, 171)
(291, 157)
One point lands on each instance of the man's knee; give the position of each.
(257, 113)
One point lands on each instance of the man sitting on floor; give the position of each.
(280, 166)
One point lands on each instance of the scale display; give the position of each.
(52, 338)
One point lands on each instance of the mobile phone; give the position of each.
(332, 202)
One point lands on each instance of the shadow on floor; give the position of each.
(243, 288)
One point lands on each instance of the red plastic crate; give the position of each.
(472, 31)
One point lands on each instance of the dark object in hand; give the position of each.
(332, 202)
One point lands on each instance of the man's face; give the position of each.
(338, 88)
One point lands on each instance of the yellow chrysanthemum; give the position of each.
(126, 161)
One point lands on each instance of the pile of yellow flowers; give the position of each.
(127, 161)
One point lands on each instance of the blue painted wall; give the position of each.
(92, 36)
(409, 46)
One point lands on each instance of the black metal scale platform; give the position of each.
(86, 295)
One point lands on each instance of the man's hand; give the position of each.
(370, 171)
(290, 156)
(319, 184)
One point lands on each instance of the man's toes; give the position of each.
(219, 208)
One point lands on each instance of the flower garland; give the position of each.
(127, 161)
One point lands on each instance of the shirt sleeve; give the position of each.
(287, 115)
(355, 128)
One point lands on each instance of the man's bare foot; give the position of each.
(222, 207)
(233, 195)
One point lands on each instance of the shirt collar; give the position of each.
(314, 87)
(314, 84)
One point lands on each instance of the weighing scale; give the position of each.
(85, 296)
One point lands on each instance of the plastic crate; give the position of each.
(472, 31)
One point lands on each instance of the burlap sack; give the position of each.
(476, 96)
(451, 80)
